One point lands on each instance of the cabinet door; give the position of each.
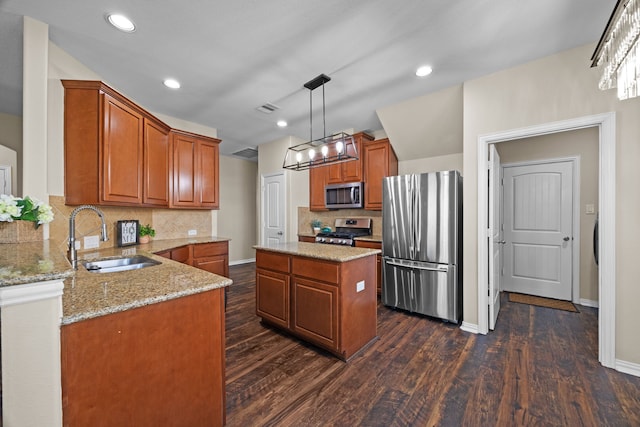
(184, 170)
(121, 153)
(207, 174)
(315, 312)
(272, 297)
(216, 264)
(317, 181)
(157, 164)
(379, 161)
(352, 170)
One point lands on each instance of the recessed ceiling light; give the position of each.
(282, 124)
(121, 22)
(424, 70)
(172, 83)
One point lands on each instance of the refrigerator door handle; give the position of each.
(442, 269)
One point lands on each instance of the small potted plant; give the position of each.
(316, 224)
(146, 233)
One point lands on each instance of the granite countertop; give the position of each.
(22, 263)
(87, 295)
(319, 251)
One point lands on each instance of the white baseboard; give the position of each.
(242, 261)
(588, 303)
(469, 327)
(628, 367)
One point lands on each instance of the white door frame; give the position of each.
(607, 228)
(262, 203)
(575, 216)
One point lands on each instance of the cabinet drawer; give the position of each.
(315, 269)
(210, 249)
(272, 261)
(368, 244)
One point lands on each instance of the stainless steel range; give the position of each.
(346, 230)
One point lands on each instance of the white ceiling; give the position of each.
(233, 56)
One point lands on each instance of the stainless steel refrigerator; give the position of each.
(422, 244)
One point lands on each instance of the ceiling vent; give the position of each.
(268, 108)
(247, 153)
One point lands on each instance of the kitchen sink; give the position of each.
(113, 265)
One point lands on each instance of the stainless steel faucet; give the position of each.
(72, 253)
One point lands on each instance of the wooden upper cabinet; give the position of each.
(317, 181)
(350, 171)
(157, 163)
(195, 171)
(117, 153)
(379, 161)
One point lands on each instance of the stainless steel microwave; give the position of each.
(349, 195)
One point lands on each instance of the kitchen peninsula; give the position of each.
(143, 347)
(323, 294)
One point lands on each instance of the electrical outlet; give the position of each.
(360, 286)
(91, 242)
(78, 245)
(193, 232)
(590, 209)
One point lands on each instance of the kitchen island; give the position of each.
(323, 294)
(140, 347)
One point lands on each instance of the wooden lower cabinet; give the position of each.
(374, 245)
(327, 303)
(158, 365)
(212, 257)
(307, 239)
(315, 314)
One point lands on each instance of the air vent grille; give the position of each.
(268, 108)
(247, 153)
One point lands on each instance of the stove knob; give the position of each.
(330, 240)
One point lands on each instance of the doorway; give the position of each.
(606, 207)
(539, 230)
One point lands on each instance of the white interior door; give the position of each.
(5, 180)
(538, 224)
(273, 208)
(494, 235)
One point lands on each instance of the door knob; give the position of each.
(279, 233)
(566, 238)
(502, 242)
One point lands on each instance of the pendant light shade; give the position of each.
(336, 148)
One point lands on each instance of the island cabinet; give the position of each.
(157, 365)
(379, 161)
(327, 303)
(105, 136)
(374, 245)
(195, 171)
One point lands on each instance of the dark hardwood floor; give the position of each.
(540, 367)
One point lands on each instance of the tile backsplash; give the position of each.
(328, 218)
(168, 223)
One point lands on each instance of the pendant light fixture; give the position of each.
(618, 51)
(336, 148)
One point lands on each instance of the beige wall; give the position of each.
(582, 143)
(11, 150)
(237, 214)
(558, 87)
(431, 164)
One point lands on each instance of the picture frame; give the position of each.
(127, 232)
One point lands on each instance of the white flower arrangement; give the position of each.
(25, 209)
